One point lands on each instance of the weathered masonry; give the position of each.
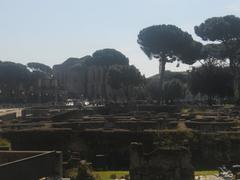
(29, 165)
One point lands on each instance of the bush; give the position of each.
(85, 172)
(4, 142)
(113, 176)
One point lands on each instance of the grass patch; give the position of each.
(205, 173)
(229, 105)
(4, 142)
(185, 110)
(71, 173)
(100, 175)
(106, 175)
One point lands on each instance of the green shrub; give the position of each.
(4, 142)
(85, 172)
(113, 176)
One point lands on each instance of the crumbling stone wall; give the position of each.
(45, 164)
(160, 164)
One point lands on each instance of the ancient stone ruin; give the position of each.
(163, 163)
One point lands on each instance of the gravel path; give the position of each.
(208, 178)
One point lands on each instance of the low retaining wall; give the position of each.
(34, 165)
(161, 163)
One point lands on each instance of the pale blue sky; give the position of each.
(50, 31)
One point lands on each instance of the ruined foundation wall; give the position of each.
(160, 164)
(223, 148)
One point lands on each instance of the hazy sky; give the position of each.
(50, 31)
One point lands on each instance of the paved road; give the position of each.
(208, 178)
(212, 178)
(4, 112)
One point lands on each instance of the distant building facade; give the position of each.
(85, 81)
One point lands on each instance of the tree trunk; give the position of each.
(105, 83)
(236, 81)
(210, 100)
(162, 64)
(233, 52)
(127, 93)
(236, 87)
